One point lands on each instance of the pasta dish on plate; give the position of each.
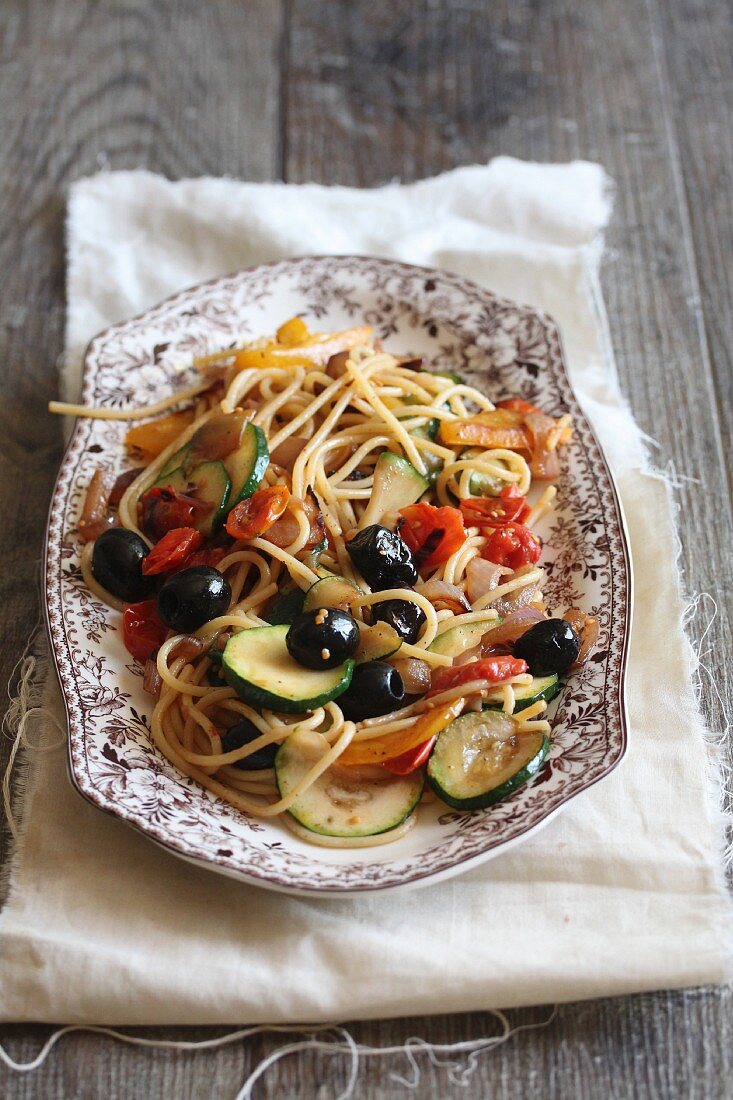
(326, 562)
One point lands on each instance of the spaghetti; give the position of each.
(352, 440)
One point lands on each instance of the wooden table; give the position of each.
(360, 92)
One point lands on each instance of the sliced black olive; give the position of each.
(383, 558)
(549, 646)
(405, 617)
(376, 688)
(190, 598)
(323, 638)
(117, 561)
(243, 733)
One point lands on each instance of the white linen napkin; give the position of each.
(619, 893)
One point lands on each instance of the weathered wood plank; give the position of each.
(375, 90)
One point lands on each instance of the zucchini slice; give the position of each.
(209, 483)
(482, 483)
(481, 758)
(376, 643)
(332, 592)
(256, 663)
(246, 466)
(396, 484)
(285, 607)
(342, 801)
(542, 687)
(454, 642)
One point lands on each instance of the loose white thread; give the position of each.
(32, 673)
(337, 1041)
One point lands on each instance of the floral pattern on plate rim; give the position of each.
(503, 348)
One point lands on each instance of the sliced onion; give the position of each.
(95, 516)
(151, 678)
(482, 576)
(514, 626)
(544, 462)
(587, 629)
(122, 483)
(444, 596)
(187, 647)
(415, 674)
(520, 597)
(285, 530)
(286, 454)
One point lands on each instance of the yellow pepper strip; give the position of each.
(394, 744)
(151, 439)
(318, 349)
(292, 333)
(499, 428)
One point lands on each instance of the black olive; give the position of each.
(376, 688)
(383, 558)
(323, 638)
(549, 646)
(402, 615)
(190, 598)
(117, 561)
(241, 734)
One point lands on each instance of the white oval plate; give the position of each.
(503, 348)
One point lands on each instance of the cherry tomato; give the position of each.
(431, 533)
(170, 552)
(411, 760)
(254, 516)
(142, 630)
(517, 404)
(163, 509)
(211, 557)
(493, 669)
(512, 545)
(494, 511)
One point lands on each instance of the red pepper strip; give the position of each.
(172, 550)
(142, 630)
(493, 669)
(411, 760)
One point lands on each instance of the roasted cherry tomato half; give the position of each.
(142, 630)
(494, 511)
(512, 545)
(170, 552)
(162, 509)
(431, 533)
(517, 404)
(251, 518)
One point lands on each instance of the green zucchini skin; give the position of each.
(531, 752)
(247, 465)
(211, 484)
(542, 687)
(285, 608)
(325, 808)
(256, 661)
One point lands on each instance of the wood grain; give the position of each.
(359, 92)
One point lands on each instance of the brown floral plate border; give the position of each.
(502, 347)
